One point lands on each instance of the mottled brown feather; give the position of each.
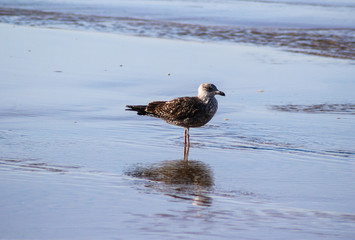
(184, 111)
(178, 108)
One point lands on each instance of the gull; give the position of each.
(187, 112)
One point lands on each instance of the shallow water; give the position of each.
(75, 165)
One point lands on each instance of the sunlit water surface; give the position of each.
(276, 162)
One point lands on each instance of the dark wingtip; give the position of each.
(140, 109)
(129, 108)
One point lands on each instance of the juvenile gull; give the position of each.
(184, 111)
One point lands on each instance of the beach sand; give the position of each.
(272, 164)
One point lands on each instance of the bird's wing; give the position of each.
(178, 108)
(152, 108)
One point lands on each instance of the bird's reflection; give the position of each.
(187, 180)
(186, 148)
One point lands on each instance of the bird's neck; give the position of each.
(211, 105)
(205, 98)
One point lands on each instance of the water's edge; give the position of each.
(328, 42)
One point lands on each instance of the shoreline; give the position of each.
(326, 42)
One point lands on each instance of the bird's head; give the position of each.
(207, 90)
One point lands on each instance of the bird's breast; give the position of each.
(211, 106)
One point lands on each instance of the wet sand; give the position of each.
(75, 165)
(336, 42)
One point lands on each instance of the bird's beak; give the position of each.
(220, 93)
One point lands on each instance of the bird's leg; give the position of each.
(186, 144)
(188, 138)
(185, 156)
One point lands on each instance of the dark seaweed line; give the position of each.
(346, 109)
(338, 43)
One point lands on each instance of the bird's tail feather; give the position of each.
(140, 109)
